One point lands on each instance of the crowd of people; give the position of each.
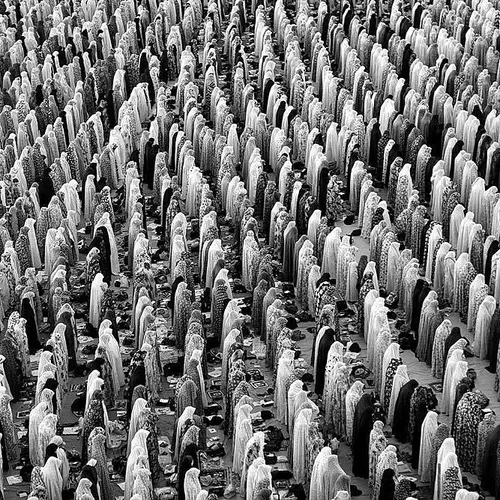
(202, 176)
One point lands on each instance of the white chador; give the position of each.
(110, 344)
(483, 322)
(138, 456)
(258, 472)
(243, 433)
(52, 478)
(186, 415)
(296, 397)
(400, 378)
(38, 413)
(250, 250)
(139, 405)
(46, 431)
(285, 368)
(300, 440)
(71, 198)
(61, 455)
(429, 428)
(34, 250)
(192, 486)
(330, 250)
(456, 357)
(258, 440)
(96, 293)
(446, 458)
(458, 374)
(319, 471)
(94, 383)
(90, 191)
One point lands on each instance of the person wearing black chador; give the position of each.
(325, 343)
(150, 153)
(489, 465)
(90, 472)
(387, 485)
(494, 340)
(167, 195)
(422, 289)
(27, 312)
(46, 190)
(66, 318)
(420, 414)
(101, 242)
(186, 463)
(361, 428)
(454, 336)
(402, 411)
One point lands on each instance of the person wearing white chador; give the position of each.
(83, 489)
(138, 455)
(35, 419)
(336, 384)
(438, 348)
(429, 428)
(449, 391)
(344, 495)
(330, 251)
(253, 450)
(377, 322)
(61, 455)
(243, 433)
(112, 348)
(333, 472)
(377, 443)
(400, 379)
(483, 323)
(476, 296)
(249, 254)
(387, 460)
(371, 268)
(51, 474)
(449, 461)
(296, 396)
(192, 484)
(285, 369)
(202, 495)
(96, 294)
(352, 397)
(139, 405)
(466, 495)
(186, 415)
(319, 470)
(459, 373)
(94, 383)
(382, 344)
(34, 250)
(446, 450)
(258, 473)
(300, 442)
(46, 431)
